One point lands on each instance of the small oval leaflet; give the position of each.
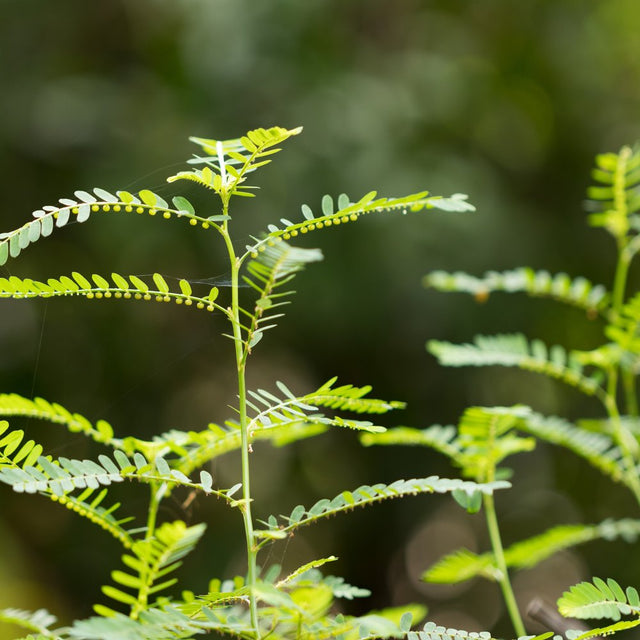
(162, 466)
(327, 205)
(471, 501)
(185, 287)
(182, 204)
(84, 196)
(63, 218)
(101, 282)
(104, 195)
(234, 489)
(34, 231)
(47, 226)
(297, 514)
(140, 285)
(206, 480)
(84, 211)
(119, 281)
(161, 283)
(148, 197)
(14, 246)
(81, 280)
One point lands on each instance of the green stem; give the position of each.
(630, 396)
(620, 279)
(627, 443)
(157, 492)
(503, 574)
(625, 440)
(625, 256)
(245, 504)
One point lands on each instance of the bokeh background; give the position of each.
(505, 101)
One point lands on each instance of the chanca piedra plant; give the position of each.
(144, 599)
(486, 436)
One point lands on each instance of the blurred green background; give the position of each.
(505, 101)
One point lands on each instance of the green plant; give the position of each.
(486, 436)
(261, 603)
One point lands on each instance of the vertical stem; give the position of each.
(620, 279)
(620, 282)
(503, 577)
(245, 445)
(627, 443)
(157, 493)
(629, 386)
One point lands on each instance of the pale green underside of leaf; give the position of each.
(601, 632)
(431, 631)
(514, 350)
(577, 292)
(62, 476)
(83, 207)
(366, 495)
(20, 457)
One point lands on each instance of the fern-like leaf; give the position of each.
(578, 292)
(623, 331)
(431, 631)
(14, 452)
(274, 266)
(195, 448)
(273, 411)
(599, 449)
(228, 162)
(440, 438)
(345, 211)
(462, 564)
(486, 437)
(601, 632)
(615, 198)
(599, 599)
(153, 559)
(62, 476)
(38, 621)
(156, 623)
(99, 288)
(82, 207)
(366, 495)
(514, 350)
(12, 404)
